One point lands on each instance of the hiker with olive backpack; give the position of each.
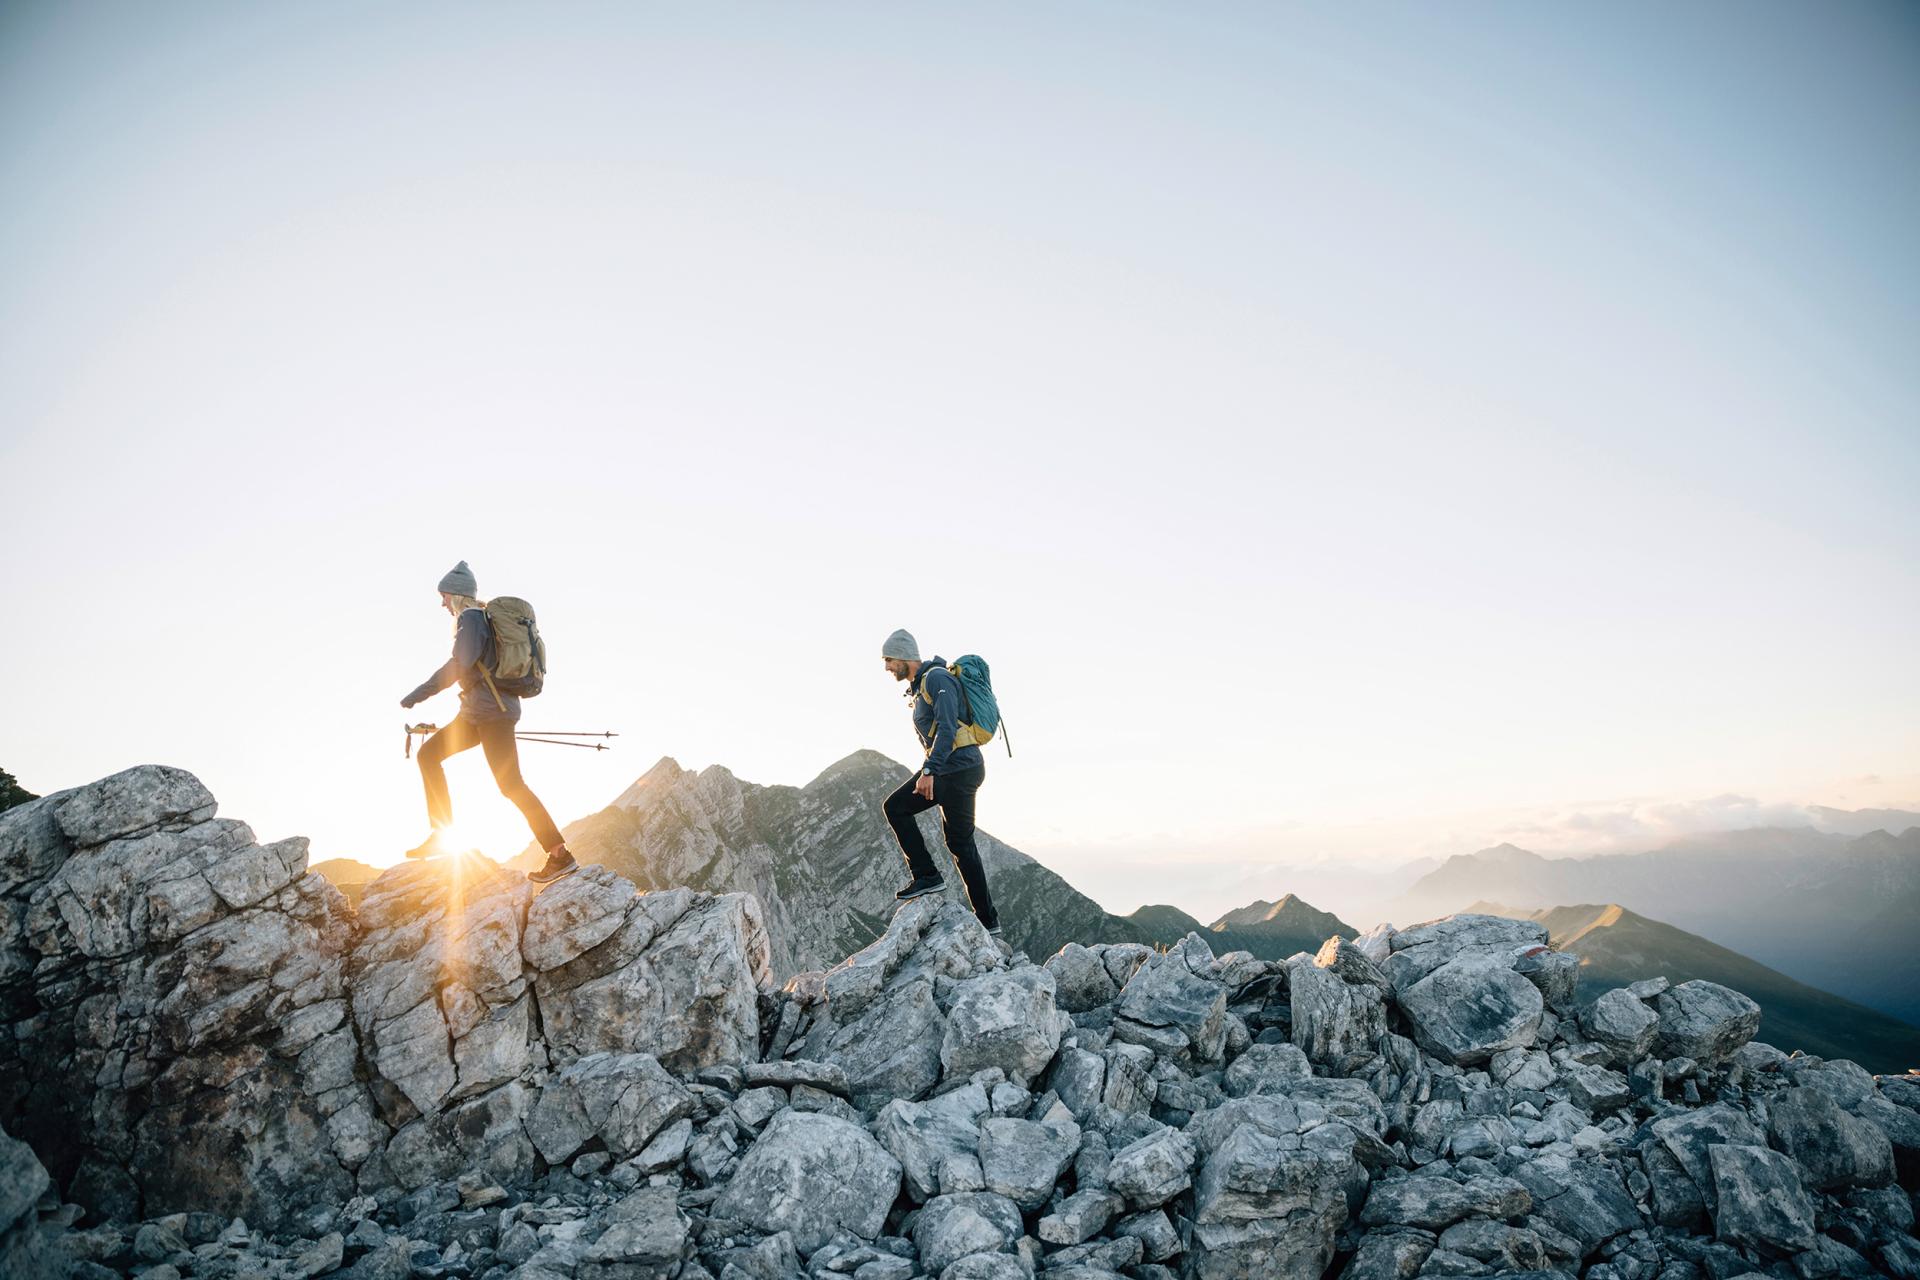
(953, 713)
(498, 658)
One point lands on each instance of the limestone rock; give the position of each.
(1471, 1008)
(1418, 951)
(687, 967)
(922, 1136)
(1622, 1023)
(1835, 1149)
(1704, 1021)
(1174, 995)
(1434, 1203)
(1153, 1170)
(623, 1099)
(648, 1239)
(956, 1226)
(1760, 1201)
(1269, 1197)
(1334, 1017)
(1080, 978)
(1004, 1020)
(812, 1174)
(1022, 1159)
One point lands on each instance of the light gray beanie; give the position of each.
(901, 644)
(459, 581)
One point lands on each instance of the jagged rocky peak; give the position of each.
(821, 858)
(471, 1078)
(662, 777)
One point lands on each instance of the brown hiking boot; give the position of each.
(433, 846)
(559, 863)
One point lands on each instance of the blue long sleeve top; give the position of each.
(937, 706)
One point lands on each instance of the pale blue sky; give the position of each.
(1321, 417)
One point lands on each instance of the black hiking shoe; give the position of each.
(921, 886)
(559, 863)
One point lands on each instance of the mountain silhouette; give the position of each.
(1617, 947)
(1831, 910)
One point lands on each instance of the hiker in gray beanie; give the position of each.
(901, 645)
(950, 778)
(487, 716)
(459, 581)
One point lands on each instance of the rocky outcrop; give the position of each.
(469, 1078)
(199, 1023)
(820, 858)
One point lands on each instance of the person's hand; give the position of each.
(924, 787)
(407, 702)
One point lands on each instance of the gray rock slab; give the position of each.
(1761, 1203)
(953, 1227)
(812, 1174)
(1704, 1021)
(1471, 1008)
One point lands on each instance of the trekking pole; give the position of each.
(556, 742)
(566, 733)
(423, 730)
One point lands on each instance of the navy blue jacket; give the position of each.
(937, 721)
(472, 645)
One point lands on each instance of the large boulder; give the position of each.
(1334, 1018)
(623, 1099)
(812, 1174)
(1270, 1196)
(890, 1048)
(1005, 1020)
(925, 1136)
(648, 1238)
(1080, 979)
(881, 1022)
(1760, 1202)
(1173, 1003)
(1154, 1169)
(1434, 1203)
(686, 967)
(1471, 1008)
(1622, 1023)
(1834, 1148)
(1418, 951)
(1022, 1159)
(1704, 1021)
(953, 1227)
(1583, 1199)
(1687, 1137)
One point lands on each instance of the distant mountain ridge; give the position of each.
(1270, 930)
(1617, 946)
(1834, 911)
(820, 858)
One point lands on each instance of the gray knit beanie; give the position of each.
(459, 581)
(901, 644)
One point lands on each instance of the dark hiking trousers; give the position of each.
(954, 793)
(503, 757)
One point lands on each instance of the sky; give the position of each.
(1350, 432)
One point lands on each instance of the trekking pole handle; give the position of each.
(423, 729)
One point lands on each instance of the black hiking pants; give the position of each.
(496, 738)
(954, 793)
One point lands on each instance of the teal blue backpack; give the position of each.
(981, 714)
